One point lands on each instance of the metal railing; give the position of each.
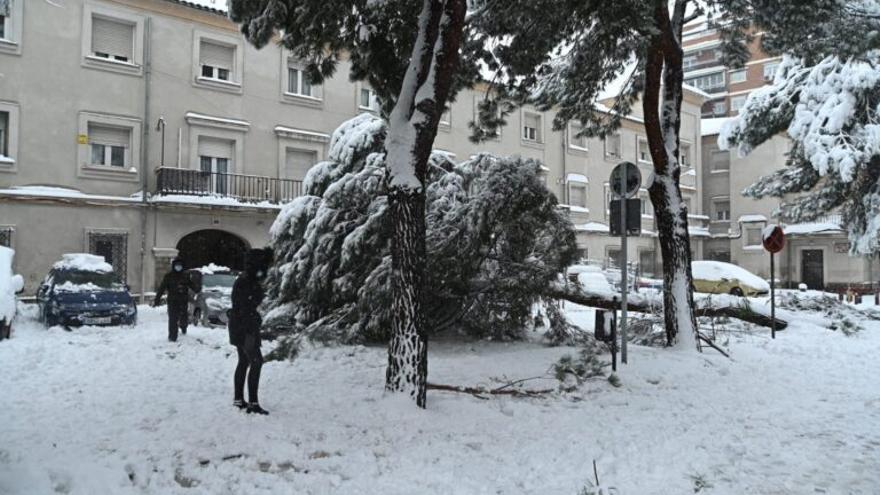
(244, 188)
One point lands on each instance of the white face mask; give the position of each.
(260, 273)
(178, 268)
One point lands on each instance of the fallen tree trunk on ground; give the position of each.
(481, 393)
(729, 306)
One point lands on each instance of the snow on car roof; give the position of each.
(211, 269)
(83, 262)
(718, 270)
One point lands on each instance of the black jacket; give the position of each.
(244, 318)
(177, 285)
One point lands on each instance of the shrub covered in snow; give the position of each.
(495, 240)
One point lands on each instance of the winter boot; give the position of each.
(254, 408)
(240, 403)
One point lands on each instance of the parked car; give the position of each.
(10, 285)
(211, 304)
(83, 289)
(717, 277)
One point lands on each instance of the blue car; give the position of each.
(83, 289)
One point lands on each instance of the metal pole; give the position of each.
(623, 276)
(772, 297)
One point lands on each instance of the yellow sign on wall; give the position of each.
(82, 139)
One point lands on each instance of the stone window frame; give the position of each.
(14, 112)
(572, 139)
(236, 82)
(217, 128)
(540, 136)
(89, 60)
(85, 169)
(11, 43)
(301, 140)
(288, 61)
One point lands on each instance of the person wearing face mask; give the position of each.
(177, 285)
(244, 328)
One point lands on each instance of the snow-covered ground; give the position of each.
(119, 410)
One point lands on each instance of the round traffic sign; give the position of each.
(625, 180)
(773, 238)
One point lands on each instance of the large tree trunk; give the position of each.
(411, 132)
(662, 124)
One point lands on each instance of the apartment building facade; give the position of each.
(144, 129)
(816, 253)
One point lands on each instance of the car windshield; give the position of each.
(87, 280)
(218, 280)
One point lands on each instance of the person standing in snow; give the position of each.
(177, 285)
(244, 328)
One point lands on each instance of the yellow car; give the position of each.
(717, 277)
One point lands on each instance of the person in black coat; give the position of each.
(244, 328)
(177, 285)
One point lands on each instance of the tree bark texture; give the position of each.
(412, 129)
(664, 76)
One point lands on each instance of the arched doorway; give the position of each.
(203, 247)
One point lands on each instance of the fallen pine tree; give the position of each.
(730, 306)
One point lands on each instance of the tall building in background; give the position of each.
(816, 253)
(728, 88)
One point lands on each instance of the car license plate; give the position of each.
(104, 320)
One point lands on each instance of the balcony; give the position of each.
(237, 187)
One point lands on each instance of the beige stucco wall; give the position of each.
(57, 90)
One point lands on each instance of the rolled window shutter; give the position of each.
(216, 55)
(216, 148)
(112, 37)
(298, 163)
(113, 136)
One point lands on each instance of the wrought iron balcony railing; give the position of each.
(244, 188)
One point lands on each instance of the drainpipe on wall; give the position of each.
(145, 156)
(565, 168)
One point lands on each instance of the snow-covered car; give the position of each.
(211, 305)
(10, 285)
(718, 277)
(83, 289)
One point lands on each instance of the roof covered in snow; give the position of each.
(83, 262)
(592, 227)
(712, 127)
(812, 228)
(752, 218)
(216, 6)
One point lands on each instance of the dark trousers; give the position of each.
(177, 318)
(250, 362)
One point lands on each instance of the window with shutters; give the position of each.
(737, 102)
(10, 25)
(109, 146)
(367, 100)
(113, 246)
(298, 162)
(446, 116)
(721, 210)
(753, 236)
(685, 158)
(720, 160)
(112, 39)
(215, 159)
(6, 232)
(575, 141)
(218, 61)
(643, 153)
(532, 128)
(4, 135)
(577, 195)
(612, 146)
